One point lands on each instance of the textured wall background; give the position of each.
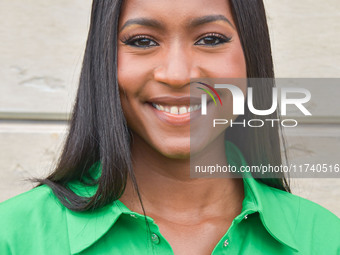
(41, 49)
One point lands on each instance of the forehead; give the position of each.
(174, 12)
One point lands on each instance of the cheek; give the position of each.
(236, 63)
(230, 66)
(127, 73)
(132, 70)
(127, 76)
(229, 63)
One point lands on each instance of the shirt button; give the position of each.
(155, 238)
(246, 216)
(133, 216)
(226, 243)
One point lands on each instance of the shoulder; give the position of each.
(305, 208)
(37, 204)
(30, 202)
(315, 228)
(33, 215)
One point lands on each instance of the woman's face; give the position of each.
(163, 44)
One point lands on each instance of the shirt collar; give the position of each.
(277, 217)
(85, 228)
(278, 212)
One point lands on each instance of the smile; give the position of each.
(173, 109)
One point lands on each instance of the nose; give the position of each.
(176, 67)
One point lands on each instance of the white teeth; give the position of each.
(176, 109)
(182, 110)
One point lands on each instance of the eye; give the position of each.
(140, 41)
(213, 40)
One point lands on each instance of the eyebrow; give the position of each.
(142, 21)
(193, 23)
(209, 18)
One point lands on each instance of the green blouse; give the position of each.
(271, 222)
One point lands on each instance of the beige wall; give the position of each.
(304, 37)
(41, 48)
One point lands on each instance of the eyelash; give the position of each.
(131, 40)
(223, 39)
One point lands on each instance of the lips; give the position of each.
(173, 100)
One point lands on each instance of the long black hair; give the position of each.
(98, 131)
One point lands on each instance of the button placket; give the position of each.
(226, 237)
(155, 238)
(226, 243)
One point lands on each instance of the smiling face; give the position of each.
(162, 46)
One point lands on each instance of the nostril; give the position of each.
(173, 78)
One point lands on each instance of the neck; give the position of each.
(167, 191)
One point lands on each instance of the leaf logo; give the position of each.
(209, 93)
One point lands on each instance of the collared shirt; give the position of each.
(271, 222)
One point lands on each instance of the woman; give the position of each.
(122, 185)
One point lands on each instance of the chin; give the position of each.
(176, 150)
